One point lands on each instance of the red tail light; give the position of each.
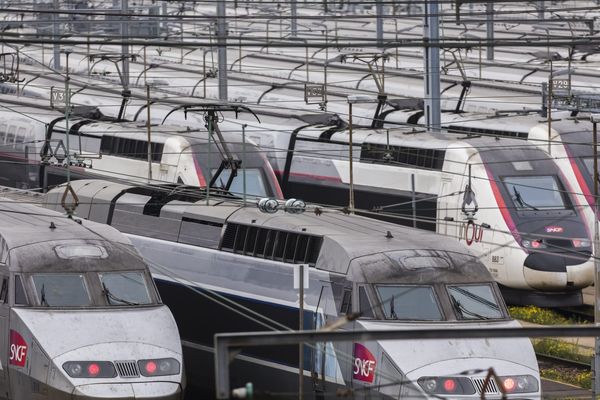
(159, 367)
(93, 369)
(449, 385)
(150, 367)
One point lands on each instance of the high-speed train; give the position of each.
(223, 267)
(504, 198)
(80, 316)
(569, 143)
(33, 151)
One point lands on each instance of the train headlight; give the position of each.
(159, 367)
(581, 243)
(90, 369)
(446, 385)
(533, 244)
(519, 384)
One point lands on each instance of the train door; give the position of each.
(447, 214)
(323, 360)
(4, 330)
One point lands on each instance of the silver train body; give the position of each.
(33, 142)
(539, 252)
(80, 317)
(223, 267)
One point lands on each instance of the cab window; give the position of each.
(125, 288)
(61, 290)
(20, 296)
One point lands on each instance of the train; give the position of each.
(33, 152)
(223, 265)
(80, 316)
(569, 143)
(506, 199)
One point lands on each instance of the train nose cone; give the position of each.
(554, 272)
(129, 391)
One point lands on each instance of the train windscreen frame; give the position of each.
(409, 303)
(536, 192)
(475, 302)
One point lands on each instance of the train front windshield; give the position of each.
(255, 182)
(423, 303)
(535, 192)
(92, 289)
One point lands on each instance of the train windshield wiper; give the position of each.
(392, 309)
(43, 300)
(111, 297)
(463, 311)
(520, 200)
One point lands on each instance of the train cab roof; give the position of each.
(35, 239)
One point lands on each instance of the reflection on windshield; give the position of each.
(535, 192)
(255, 184)
(61, 290)
(125, 288)
(409, 303)
(589, 165)
(474, 302)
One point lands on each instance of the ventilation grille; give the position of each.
(467, 130)
(384, 154)
(272, 244)
(127, 369)
(491, 387)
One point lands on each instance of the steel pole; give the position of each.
(55, 26)
(550, 110)
(294, 6)
(301, 328)
(350, 159)
(379, 11)
(489, 8)
(596, 363)
(125, 46)
(432, 65)
(222, 49)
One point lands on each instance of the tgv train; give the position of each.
(223, 267)
(505, 199)
(569, 143)
(33, 149)
(80, 317)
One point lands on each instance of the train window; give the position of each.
(409, 303)
(474, 302)
(125, 288)
(4, 290)
(366, 309)
(535, 192)
(61, 290)
(589, 165)
(20, 296)
(346, 306)
(255, 183)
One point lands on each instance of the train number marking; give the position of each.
(18, 349)
(498, 260)
(364, 364)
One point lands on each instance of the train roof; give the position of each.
(24, 224)
(36, 239)
(328, 240)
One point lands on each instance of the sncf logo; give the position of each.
(18, 349)
(554, 229)
(364, 364)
